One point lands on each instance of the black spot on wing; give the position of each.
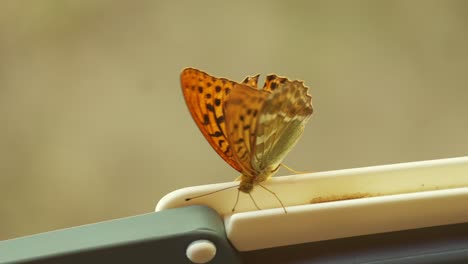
(273, 86)
(240, 140)
(210, 107)
(219, 119)
(228, 149)
(206, 119)
(217, 134)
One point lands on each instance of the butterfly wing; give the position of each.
(252, 130)
(281, 122)
(251, 81)
(205, 96)
(242, 109)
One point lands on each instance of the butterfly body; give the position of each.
(248, 182)
(251, 129)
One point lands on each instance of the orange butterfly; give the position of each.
(251, 129)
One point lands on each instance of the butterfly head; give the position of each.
(246, 186)
(247, 183)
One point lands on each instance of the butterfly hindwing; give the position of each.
(281, 123)
(251, 81)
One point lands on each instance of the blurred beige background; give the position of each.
(94, 126)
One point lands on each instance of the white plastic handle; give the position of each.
(336, 204)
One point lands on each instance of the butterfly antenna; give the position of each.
(205, 194)
(291, 170)
(237, 200)
(277, 198)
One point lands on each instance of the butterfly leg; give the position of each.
(254, 202)
(237, 200)
(292, 170)
(277, 198)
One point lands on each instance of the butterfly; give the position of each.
(251, 129)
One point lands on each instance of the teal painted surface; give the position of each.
(155, 236)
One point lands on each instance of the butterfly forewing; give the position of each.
(205, 96)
